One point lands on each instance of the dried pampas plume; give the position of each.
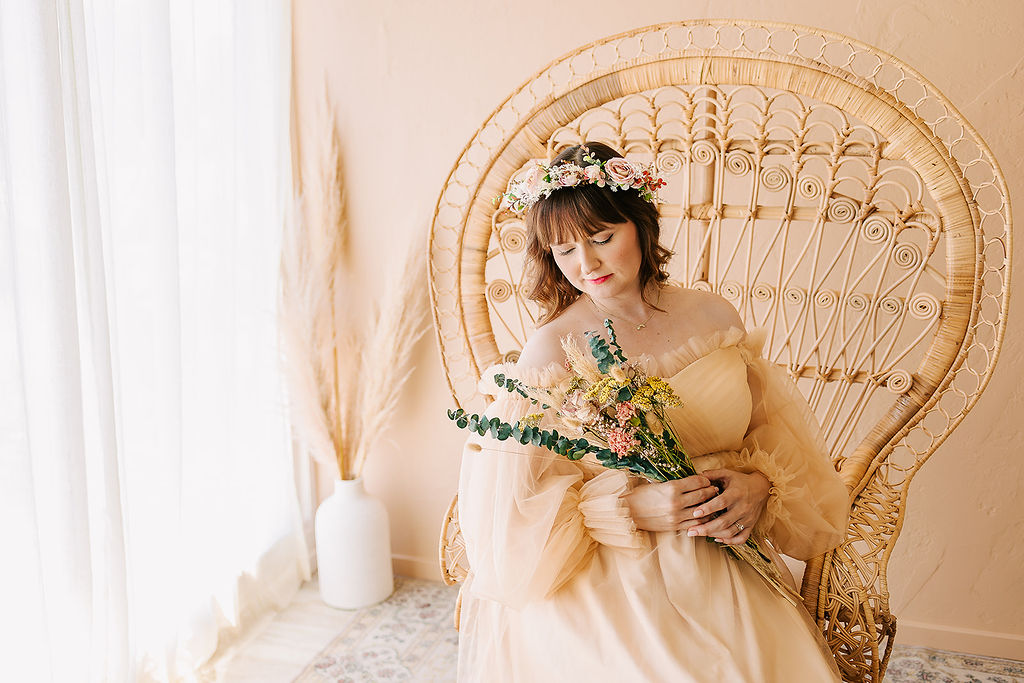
(342, 386)
(305, 303)
(399, 321)
(582, 363)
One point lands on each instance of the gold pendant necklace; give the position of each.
(601, 309)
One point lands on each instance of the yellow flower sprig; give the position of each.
(603, 390)
(655, 391)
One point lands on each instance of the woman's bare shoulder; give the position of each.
(544, 346)
(708, 311)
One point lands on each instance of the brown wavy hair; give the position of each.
(578, 213)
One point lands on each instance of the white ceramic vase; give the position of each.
(353, 547)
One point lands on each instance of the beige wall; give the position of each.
(413, 80)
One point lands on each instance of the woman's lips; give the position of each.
(599, 280)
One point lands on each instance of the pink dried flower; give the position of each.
(621, 171)
(622, 441)
(624, 412)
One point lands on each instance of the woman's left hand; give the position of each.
(740, 504)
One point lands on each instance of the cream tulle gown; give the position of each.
(564, 588)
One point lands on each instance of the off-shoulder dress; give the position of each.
(563, 587)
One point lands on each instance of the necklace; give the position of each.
(639, 326)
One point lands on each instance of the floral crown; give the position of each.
(616, 174)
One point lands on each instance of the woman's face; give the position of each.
(604, 265)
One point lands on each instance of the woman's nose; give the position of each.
(589, 261)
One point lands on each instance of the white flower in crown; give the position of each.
(568, 175)
(594, 175)
(620, 171)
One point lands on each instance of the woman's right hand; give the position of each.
(669, 505)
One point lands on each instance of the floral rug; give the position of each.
(410, 637)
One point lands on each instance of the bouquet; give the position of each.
(609, 408)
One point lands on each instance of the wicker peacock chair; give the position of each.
(824, 188)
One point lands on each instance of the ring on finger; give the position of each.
(739, 526)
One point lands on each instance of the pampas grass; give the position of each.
(342, 385)
(306, 294)
(399, 322)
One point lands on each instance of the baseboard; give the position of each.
(970, 641)
(416, 567)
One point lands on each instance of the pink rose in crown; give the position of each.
(620, 171)
(593, 174)
(534, 182)
(568, 175)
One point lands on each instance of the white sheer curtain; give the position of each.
(146, 481)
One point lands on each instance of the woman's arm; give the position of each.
(529, 520)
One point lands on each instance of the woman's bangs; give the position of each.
(575, 215)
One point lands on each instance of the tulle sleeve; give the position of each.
(808, 505)
(529, 520)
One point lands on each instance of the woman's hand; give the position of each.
(735, 510)
(670, 505)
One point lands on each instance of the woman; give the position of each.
(580, 573)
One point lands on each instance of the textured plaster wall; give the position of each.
(412, 81)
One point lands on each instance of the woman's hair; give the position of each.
(578, 213)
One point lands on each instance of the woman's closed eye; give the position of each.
(566, 250)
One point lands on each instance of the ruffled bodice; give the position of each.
(708, 373)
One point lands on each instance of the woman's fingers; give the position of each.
(664, 506)
(737, 539)
(691, 499)
(693, 483)
(688, 522)
(735, 510)
(716, 504)
(723, 526)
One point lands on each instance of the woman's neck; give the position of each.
(629, 307)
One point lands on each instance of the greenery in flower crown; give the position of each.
(616, 174)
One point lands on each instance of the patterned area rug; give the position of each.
(410, 637)
(909, 664)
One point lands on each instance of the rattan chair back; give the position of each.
(824, 188)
